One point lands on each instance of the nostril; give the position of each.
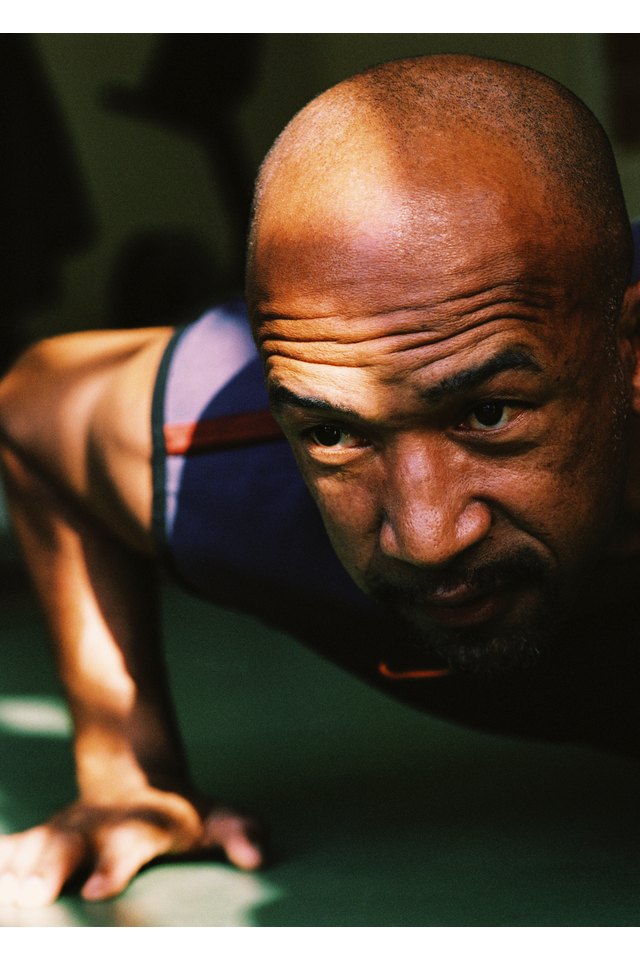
(474, 523)
(425, 536)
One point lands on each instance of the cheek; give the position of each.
(351, 514)
(565, 494)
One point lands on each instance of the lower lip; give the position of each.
(474, 612)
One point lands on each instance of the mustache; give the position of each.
(429, 586)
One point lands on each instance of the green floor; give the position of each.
(378, 815)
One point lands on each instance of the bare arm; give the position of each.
(75, 416)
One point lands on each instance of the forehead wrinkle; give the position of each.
(516, 357)
(350, 344)
(378, 351)
(536, 295)
(339, 333)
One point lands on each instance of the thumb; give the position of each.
(241, 839)
(122, 852)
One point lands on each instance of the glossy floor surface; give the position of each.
(379, 816)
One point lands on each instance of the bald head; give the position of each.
(407, 136)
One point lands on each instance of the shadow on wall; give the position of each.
(46, 212)
(195, 85)
(161, 277)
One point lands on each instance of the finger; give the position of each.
(42, 861)
(8, 886)
(61, 856)
(38, 890)
(26, 849)
(239, 837)
(7, 844)
(10, 844)
(20, 852)
(122, 852)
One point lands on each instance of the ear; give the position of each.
(630, 340)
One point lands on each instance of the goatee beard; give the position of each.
(490, 651)
(508, 644)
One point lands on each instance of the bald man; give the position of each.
(441, 297)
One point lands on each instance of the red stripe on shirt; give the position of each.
(233, 430)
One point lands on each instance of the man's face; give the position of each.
(454, 409)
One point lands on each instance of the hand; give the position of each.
(114, 841)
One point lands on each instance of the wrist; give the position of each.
(110, 765)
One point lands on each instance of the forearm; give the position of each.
(75, 442)
(99, 598)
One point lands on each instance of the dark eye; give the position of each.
(334, 440)
(489, 414)
(327, 435)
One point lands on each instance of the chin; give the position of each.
(493, 655)
(505, 646)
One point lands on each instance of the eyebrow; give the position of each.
(512, 358)
(280, 396)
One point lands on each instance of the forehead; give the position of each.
(372, 277)
(365, 215)
(444, 266)
(376, 296)
(361, 239)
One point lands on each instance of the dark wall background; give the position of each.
(149, 143)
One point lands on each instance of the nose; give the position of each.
(431, 514)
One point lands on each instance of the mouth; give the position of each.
(464, 607)
(508, 588)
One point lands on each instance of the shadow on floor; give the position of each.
(379, 816)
